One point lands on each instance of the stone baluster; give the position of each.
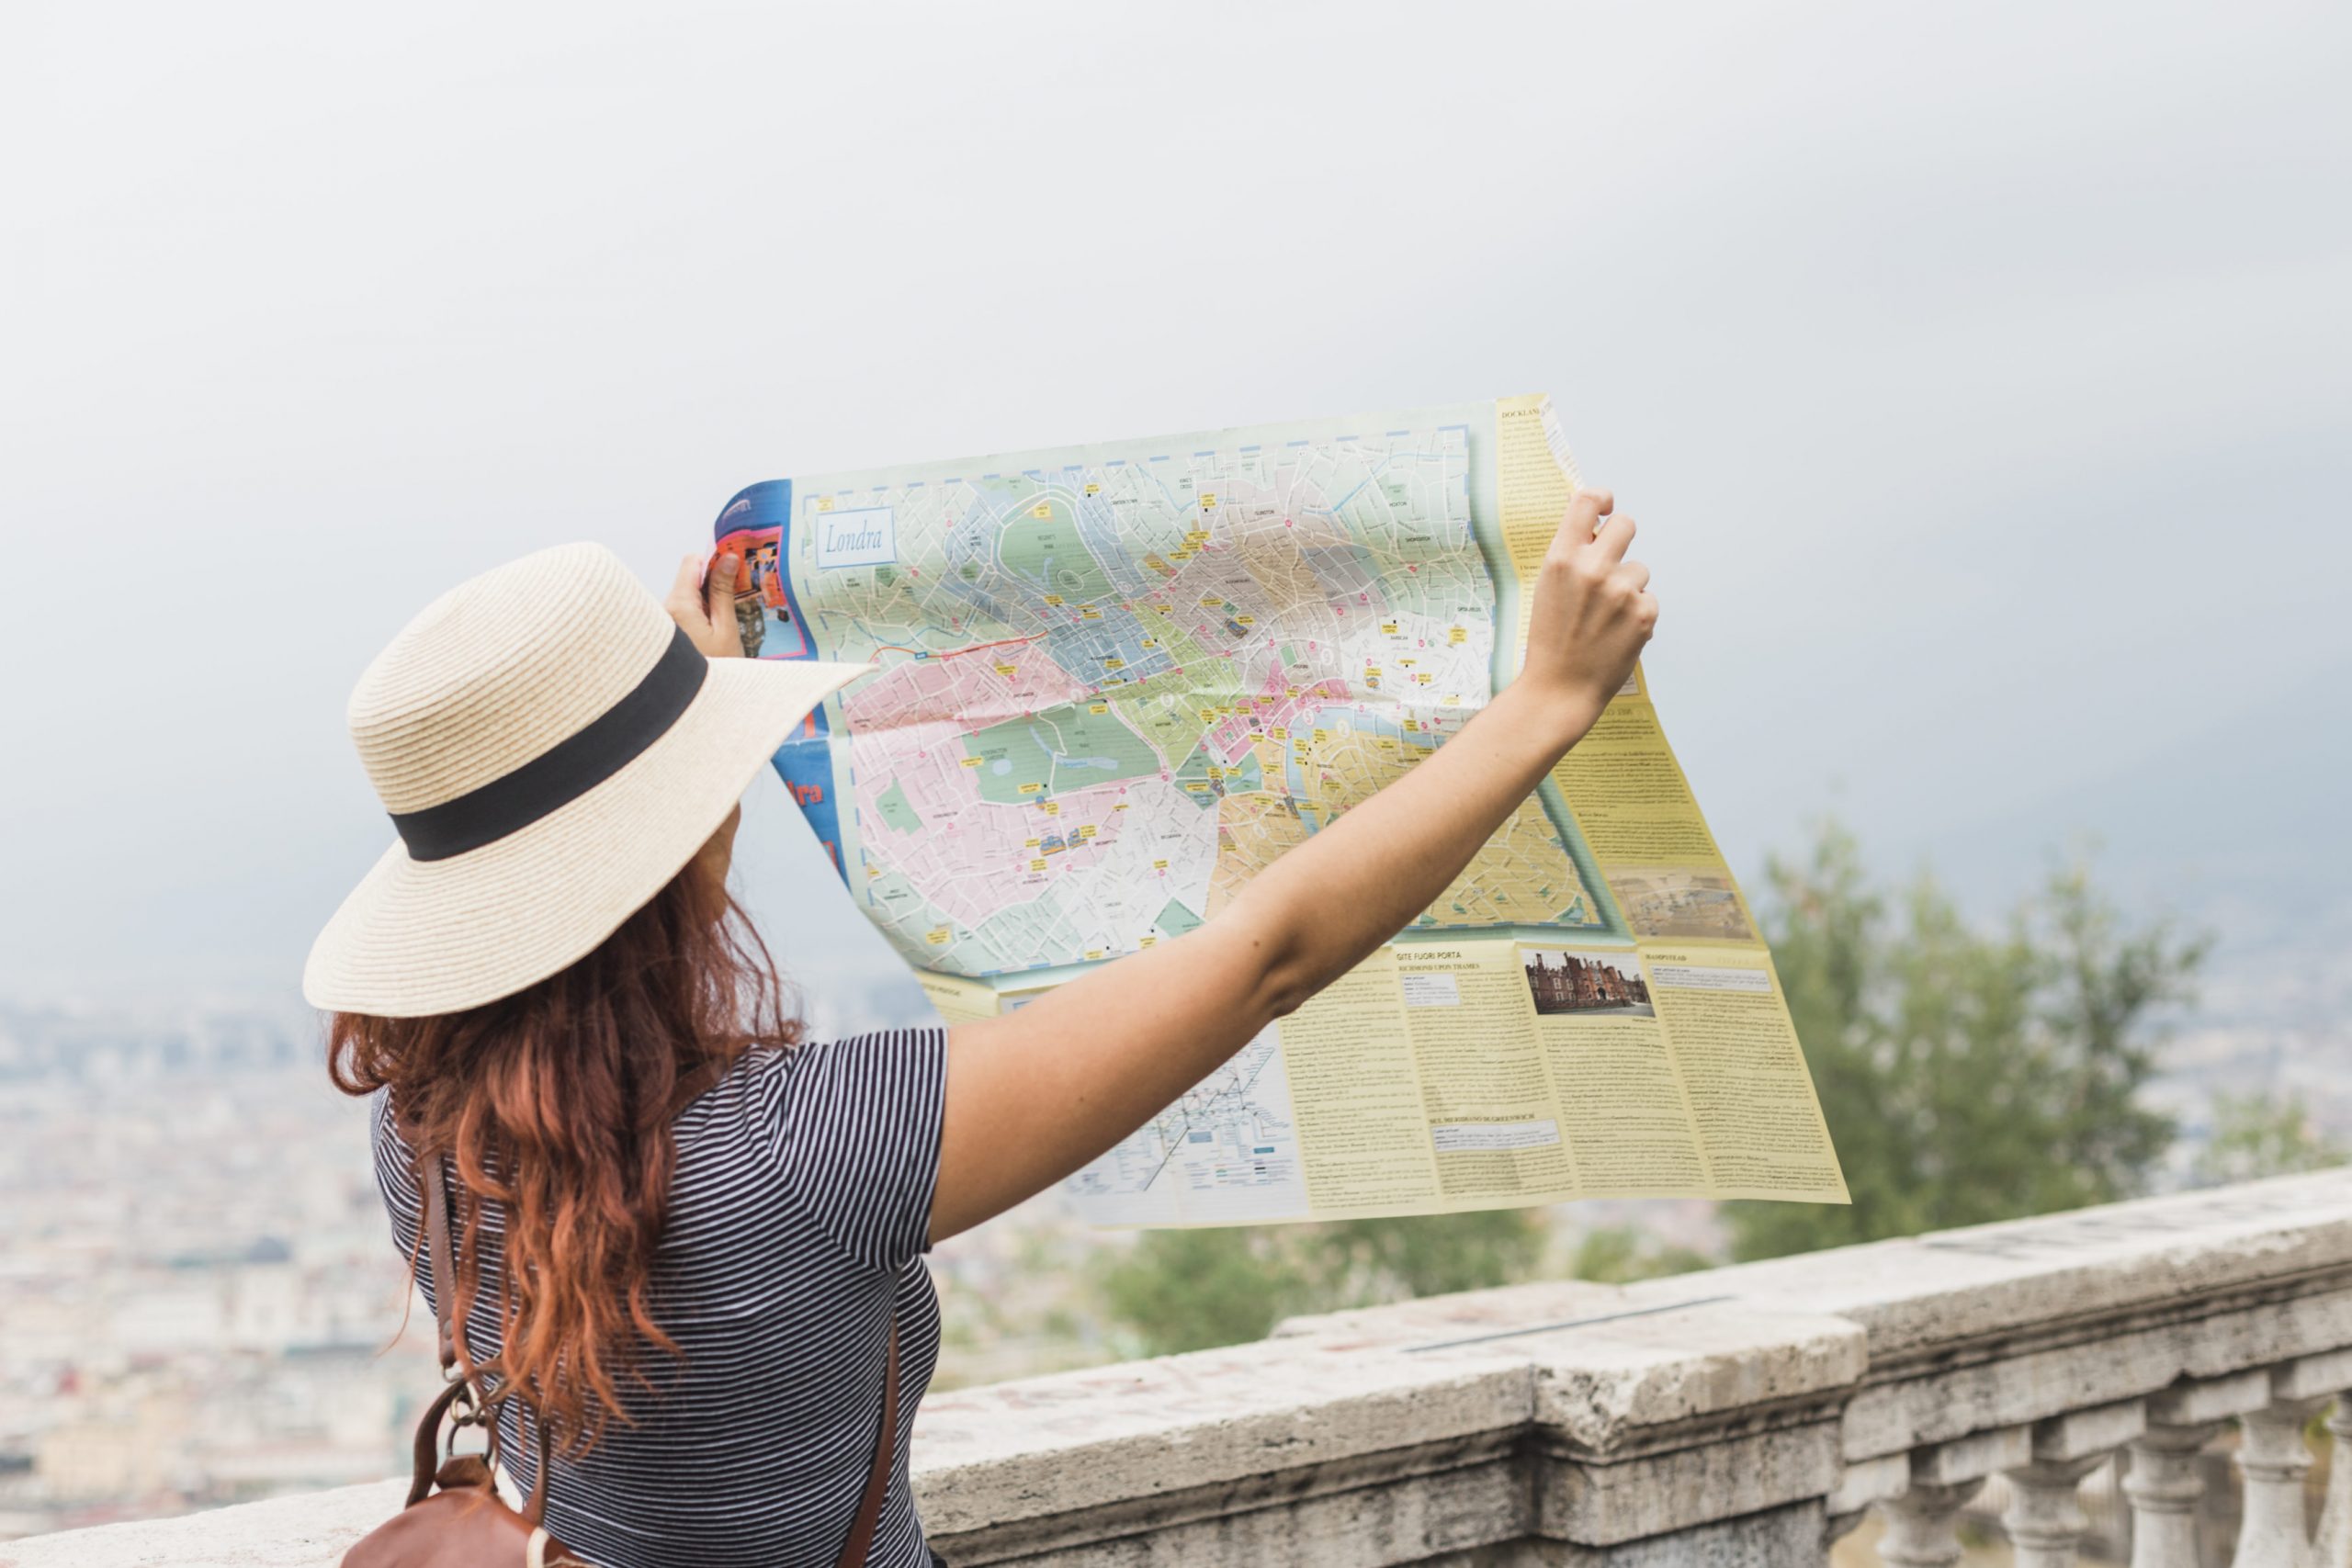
(2164, 1487)
(1919, 1525)
(2045, 1515)
(2045, 1518)
(1864, 1486)
(2272, 1462)
(1920, 1520)
(2332, 1549)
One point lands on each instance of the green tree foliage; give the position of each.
(1190, 1289)
(1618, 1255)
(1359, 1262)
(1966, 1076)
(2255, 1135)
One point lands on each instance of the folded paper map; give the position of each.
(1118, 681)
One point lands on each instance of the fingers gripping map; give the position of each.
(1114, 682)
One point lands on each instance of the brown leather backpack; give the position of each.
(455, 1517)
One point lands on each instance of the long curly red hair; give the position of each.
(557, 1103)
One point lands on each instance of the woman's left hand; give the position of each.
(705, 608)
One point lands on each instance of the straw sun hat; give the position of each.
(553, 750)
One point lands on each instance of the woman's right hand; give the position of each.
(1593, 611)
(703, 605)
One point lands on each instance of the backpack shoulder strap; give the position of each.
(877, 1478)
(440, 1257)
(457, 1358)
(441, 1267)
(457, 1362)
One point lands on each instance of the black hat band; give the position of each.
(566, 770)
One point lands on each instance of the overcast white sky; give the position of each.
(1979, 373)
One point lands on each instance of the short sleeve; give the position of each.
(858, 1131)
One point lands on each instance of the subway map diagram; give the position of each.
(1110, 692)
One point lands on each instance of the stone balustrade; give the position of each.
(1746, 1415)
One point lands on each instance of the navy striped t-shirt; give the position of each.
(798, 1217)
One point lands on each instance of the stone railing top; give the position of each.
(1927, 1293)
(1869, 1346)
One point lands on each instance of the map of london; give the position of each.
(1112, 683)
(1111, 692)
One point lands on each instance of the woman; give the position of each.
(689, 1243)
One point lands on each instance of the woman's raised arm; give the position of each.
(1035, 1095)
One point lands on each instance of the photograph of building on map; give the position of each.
(759, 589)
(1607, 982)
(1702, 904)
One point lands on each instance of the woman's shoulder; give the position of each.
(768, 1066)
(779, 1085)
(853, 1128)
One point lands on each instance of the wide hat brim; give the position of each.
(422, 937)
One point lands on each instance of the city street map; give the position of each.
(1114, 682)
